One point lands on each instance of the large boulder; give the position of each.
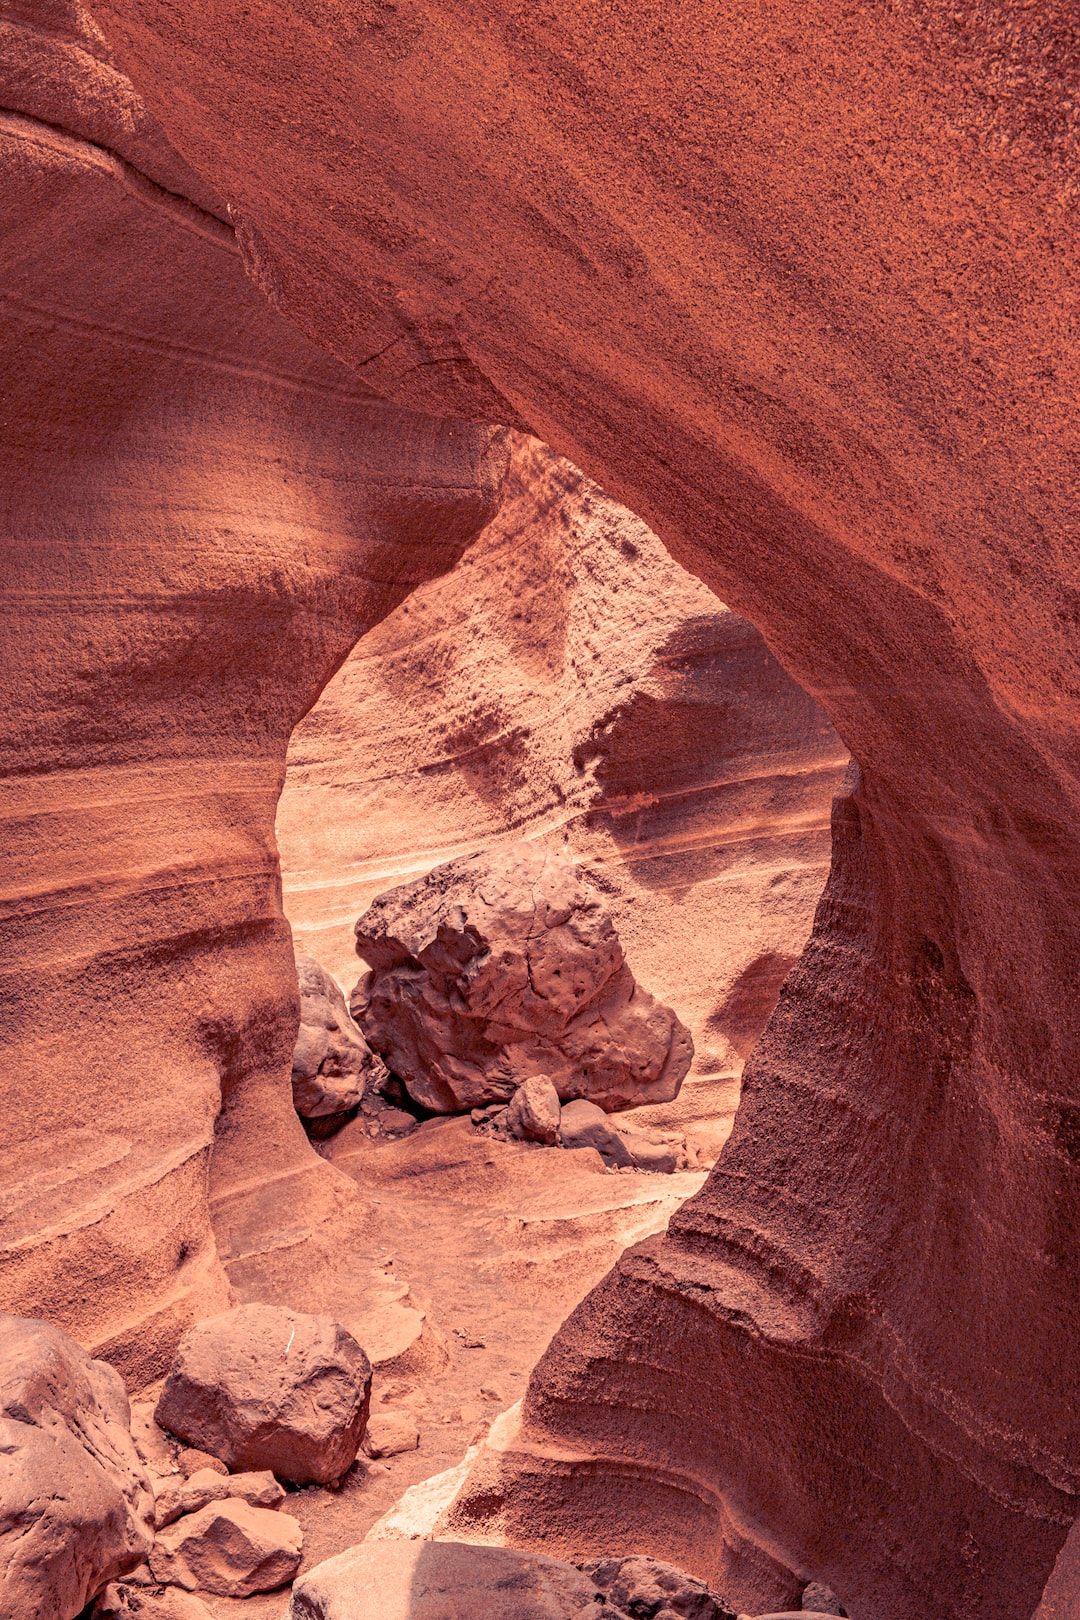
(503, 965)
(443, 1578)
(332, 1063)
(76, 1506)
(262, 1387)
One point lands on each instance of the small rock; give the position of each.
(583, 1124)
(533, 1112)
(191, 1462)
(121, 1601)
(646, 1153)
(229, 1548)
(174, 1500)
(332, 1063)
(650, 1590)
(442, 1578)
(389, 1433)
(819, 1600)
(268, 1388)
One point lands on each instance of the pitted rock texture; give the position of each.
(262, 1387)
(332, 1063)
(76, 1506)
(649, 1590)
(202, 514)
(502, 965)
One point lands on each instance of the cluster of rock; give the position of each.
(503, 965)
(535, 1114)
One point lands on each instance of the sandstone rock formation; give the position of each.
(571, 683)
(230, 1548)
(76, 1507)
(262, 1387)
(202, 513)
(794, 283)
(332, 1064)
(503, 965)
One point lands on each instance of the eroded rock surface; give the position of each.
(76, 1506)
(332, 1064)
(502, 965)
(262, 1387)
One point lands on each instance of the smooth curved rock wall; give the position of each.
(796, 284)
(201, 514)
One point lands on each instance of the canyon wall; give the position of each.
(201, 514)
(796, 285)
(569, 682)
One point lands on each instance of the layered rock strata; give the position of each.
(201, 515)
(796, 284)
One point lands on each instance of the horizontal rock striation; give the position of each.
(201, 514)
(797, 285)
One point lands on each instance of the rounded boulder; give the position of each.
(263, 1387)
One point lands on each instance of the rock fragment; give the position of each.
(583, 1124)
(650, 1590)
(503, 965)
(443, 1578)
(122, 1601)
(533, 1112)
(76, 1506)
(192, 1461)
(267, 1388)
(208, 1485)
(332, 1065)
(229, 1548)
(389, 1433)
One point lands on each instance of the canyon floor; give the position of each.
(484, 1247)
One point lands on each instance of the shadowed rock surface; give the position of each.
(202, 514)
(503, 965)
(76, 1506)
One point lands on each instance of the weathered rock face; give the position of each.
(266, 1388)
(571, 683)
(332, 1063)
(502, 965)
(76, 1507)
(202, 513)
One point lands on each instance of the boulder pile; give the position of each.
(504, 965)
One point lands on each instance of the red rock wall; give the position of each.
(570, 682)
(795, 283)
(201, 513)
